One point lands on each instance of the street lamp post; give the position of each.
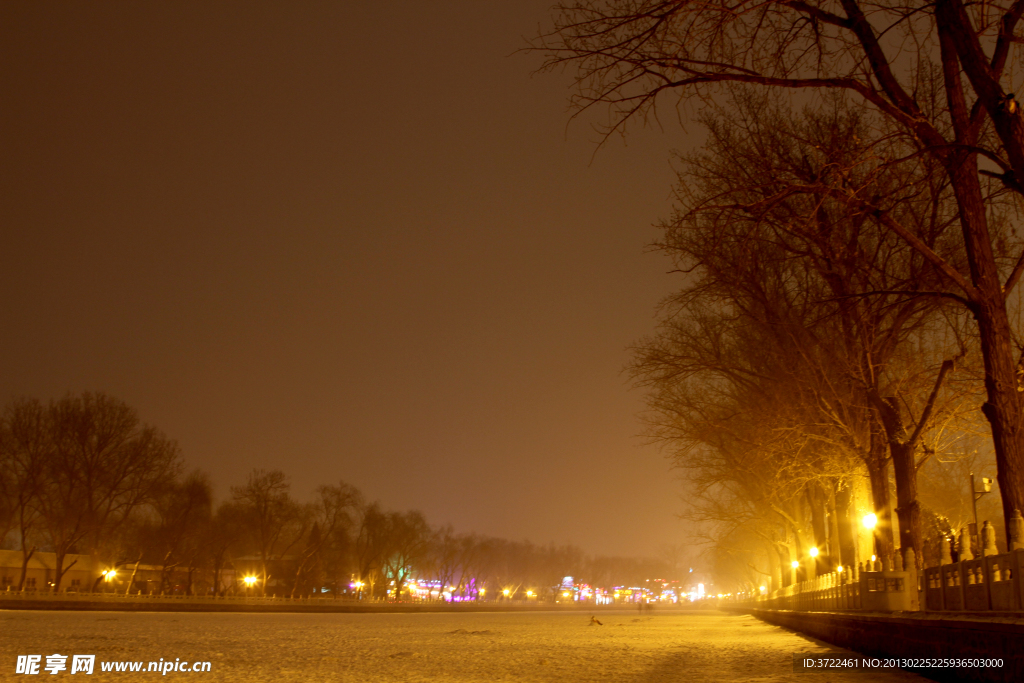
(986, 487)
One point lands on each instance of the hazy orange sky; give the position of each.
(349, 240)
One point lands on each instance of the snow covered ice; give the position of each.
(447, 647)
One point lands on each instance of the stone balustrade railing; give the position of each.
(993, 582)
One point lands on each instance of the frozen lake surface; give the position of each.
(444, 647)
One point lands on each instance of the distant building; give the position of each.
(86, 572)
(41, 571)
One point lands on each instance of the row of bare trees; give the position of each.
(848, 248)
(83, 475)
(773, 377)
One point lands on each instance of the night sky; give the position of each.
(349, 240)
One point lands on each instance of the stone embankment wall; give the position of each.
(917, 637)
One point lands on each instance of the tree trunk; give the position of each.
(908, 509)
(1003, 409)
(217, 564)
(878, 474)
(163, 571)
(816, 501)
(26, 555)
(845, 529)
(135, 571)
(60, 570)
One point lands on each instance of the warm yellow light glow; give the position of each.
(482, 591)
(795, 564)
(249, 580)
(505, 592)
(565, 595)
(874, 558)
(839, 569)
(763, 589)
(814, 552)
(870, 520)
(359, 584)
(529, 594)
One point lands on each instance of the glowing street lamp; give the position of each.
(505, 592)
(814, 552)
(870, 520)
(250, 581)
(795, 564)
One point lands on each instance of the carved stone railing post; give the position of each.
(946, 555)
(1016, 532)
(988, 532)
(965, 545)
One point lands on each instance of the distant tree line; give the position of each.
(84, 475)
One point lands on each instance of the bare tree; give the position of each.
(371, 546)
(183, 510)
(269, 514)
(222, 537)
(332, 514)
(102, 465)
(407, 545)
(444, 556)
(24, 447)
